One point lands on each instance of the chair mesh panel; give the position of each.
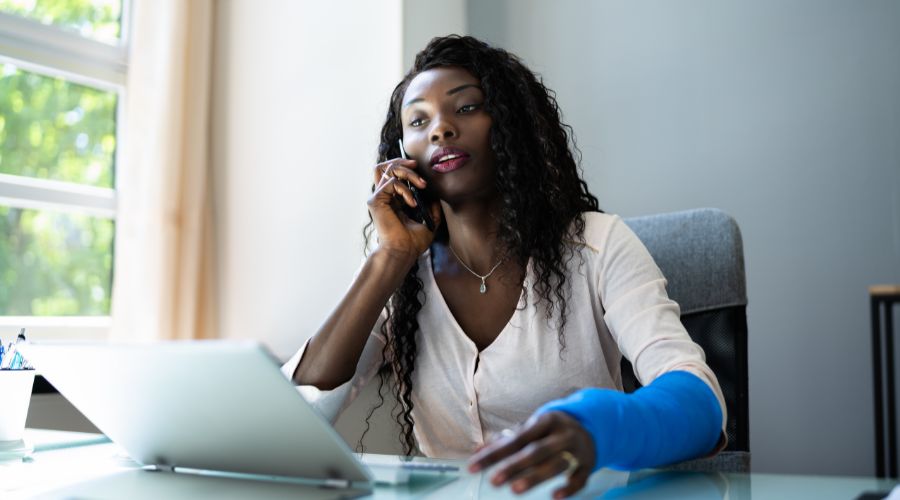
(722, 333)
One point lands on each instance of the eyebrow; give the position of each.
(449, 92)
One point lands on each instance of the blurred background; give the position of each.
(199, 169)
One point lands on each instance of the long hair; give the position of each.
(542, 196)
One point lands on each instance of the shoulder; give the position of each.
(601, 231)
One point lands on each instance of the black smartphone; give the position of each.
(421, 212)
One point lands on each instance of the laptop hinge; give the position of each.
(164, 468)
(337, 483)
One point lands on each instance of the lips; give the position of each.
(448, 159)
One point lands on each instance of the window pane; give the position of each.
(97, 19)
(54, 263)
(54, 129)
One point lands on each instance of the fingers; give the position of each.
(545, 447)
(537, 474)
(395, 187)
(576, 481)
(399, 168)
(386, 183)
(532, 464)
(507, 445)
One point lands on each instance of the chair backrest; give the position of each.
(700, 252)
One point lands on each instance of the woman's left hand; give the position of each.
(543, 447)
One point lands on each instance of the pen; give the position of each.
(8, 357)
(18, 362)
(12, 359)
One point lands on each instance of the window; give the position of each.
(62, 74)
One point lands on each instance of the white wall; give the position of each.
(426, 19)
(299, 96)
(786, 114)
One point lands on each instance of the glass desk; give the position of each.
(67, 465)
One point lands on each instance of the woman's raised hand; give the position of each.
(334, 352)
(397, 233)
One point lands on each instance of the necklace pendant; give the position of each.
(483, 287)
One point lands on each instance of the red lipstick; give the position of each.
(448, 159)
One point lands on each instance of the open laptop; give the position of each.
(207, 406)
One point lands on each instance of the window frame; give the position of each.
(57, 52)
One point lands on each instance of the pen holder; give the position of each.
(15, 395)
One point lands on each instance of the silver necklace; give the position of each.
(483, 287)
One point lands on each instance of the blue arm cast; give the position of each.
(677, 417)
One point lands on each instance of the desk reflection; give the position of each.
(671, 484)
(140, 484)
(647, 484)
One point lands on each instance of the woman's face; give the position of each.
(448, 132)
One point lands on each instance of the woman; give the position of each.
(525, 293)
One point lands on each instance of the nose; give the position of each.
(443, 129)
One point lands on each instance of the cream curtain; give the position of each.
(164, 254)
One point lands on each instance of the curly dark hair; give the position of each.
(539, 182)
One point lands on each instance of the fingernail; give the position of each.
(474, 468)
(519, 486)
(498, 479)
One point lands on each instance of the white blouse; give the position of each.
(462, 397)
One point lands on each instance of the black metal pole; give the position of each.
(876, 377)
(891, 394)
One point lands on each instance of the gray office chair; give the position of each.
(700, 252)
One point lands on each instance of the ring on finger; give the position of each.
(388, 172)
(572, 462)
(507, 433)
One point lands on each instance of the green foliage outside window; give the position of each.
(57, 263)
(54, 264)
(54, 129)
(97, 19)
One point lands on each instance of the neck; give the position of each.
(473, 233)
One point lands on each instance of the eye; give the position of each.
(468, 108)
(416, 122)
